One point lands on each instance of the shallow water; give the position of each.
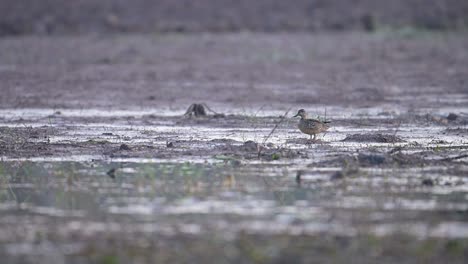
(204, 185)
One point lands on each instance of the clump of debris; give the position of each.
(201, 110)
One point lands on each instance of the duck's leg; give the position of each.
(314, 137)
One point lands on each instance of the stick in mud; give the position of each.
(259, 148)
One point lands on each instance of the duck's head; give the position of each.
(301, 113)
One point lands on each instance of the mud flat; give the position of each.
(82, 186)
(92, 173)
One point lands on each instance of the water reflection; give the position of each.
(206, 193)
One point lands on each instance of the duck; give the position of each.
(311, 126)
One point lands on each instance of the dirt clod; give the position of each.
(251, 146)
(452, 117)
(124, 147)
(427, 182)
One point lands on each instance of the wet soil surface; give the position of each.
(237, 70)
(87, 16)
(91, 172)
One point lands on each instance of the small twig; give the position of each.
(259, 109)
(259, 149)
(397, 128)
(276, 126)
(325, 118)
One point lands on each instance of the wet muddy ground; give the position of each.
(88, 16)
(100, 165)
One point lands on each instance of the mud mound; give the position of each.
(373, 138)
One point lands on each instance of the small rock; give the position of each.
(250, 146)
(452, 117)
(427, 182)
(337, 175)
(169, 144)
(124, 147)
(107, 134)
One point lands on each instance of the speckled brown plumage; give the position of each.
(309, 126)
